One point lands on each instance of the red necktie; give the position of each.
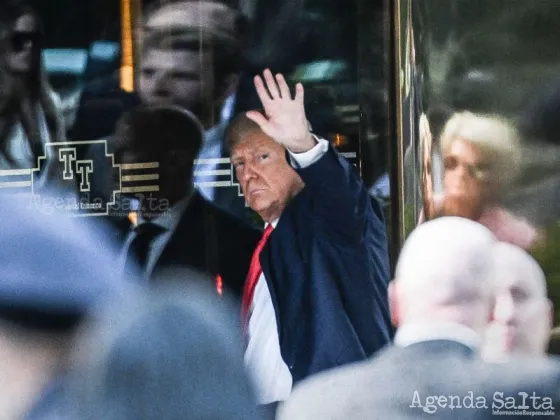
(253, 275)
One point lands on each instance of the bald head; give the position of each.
(444, 273)
(522, 315)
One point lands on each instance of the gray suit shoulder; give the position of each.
(330, 394)
(385, 386)
(528, 374)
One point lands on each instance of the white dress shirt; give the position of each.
(419, 332)
(272, 378)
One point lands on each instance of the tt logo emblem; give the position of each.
(82, 167)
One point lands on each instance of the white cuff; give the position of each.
(305, 159)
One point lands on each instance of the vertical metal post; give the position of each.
(127, 44)
(396, 145)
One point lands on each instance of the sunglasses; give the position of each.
(480, 171)
(20, 40)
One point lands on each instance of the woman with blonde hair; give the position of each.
(482, 158)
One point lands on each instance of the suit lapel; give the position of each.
(186, 245)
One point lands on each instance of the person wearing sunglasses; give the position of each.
(29, 114)
(481, 159)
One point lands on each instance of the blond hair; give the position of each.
(497, 140)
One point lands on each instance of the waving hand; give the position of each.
(285, 119)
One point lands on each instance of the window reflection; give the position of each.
(485, 101)
(30, 110)
(97, 61)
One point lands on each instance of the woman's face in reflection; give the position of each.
(465, 181)
(23, 44)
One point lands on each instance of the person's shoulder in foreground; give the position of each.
(169, 353)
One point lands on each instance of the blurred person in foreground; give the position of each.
(316, 293)
(172, 225)
(522, 317)
(54, 272)
(441, 301)
(481, 158)
(170, 354)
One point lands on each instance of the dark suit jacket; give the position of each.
(397, 383)
(327, 269)
(209, 239)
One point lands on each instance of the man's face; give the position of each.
(267, 180)
(465, 180)
(177, 77)
(522, 312)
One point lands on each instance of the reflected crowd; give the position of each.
(195, 231)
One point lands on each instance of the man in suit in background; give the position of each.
(441, 300)
(174, 226)
(189, 57)
(191, 52)
(316, 293)
(54, 273)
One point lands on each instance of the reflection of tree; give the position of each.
(548, 255)
(410, 220)
(426, 182)
(483, 48)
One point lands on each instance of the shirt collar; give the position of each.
(419, 332)
(170, 218)
(274, 223)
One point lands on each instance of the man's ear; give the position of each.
(393, 303)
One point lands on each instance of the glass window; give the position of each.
(479, 106)
(100, 66)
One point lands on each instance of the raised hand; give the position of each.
(285, 119)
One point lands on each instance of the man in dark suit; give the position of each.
(442, 300)
(316, 293)
(173, 226)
